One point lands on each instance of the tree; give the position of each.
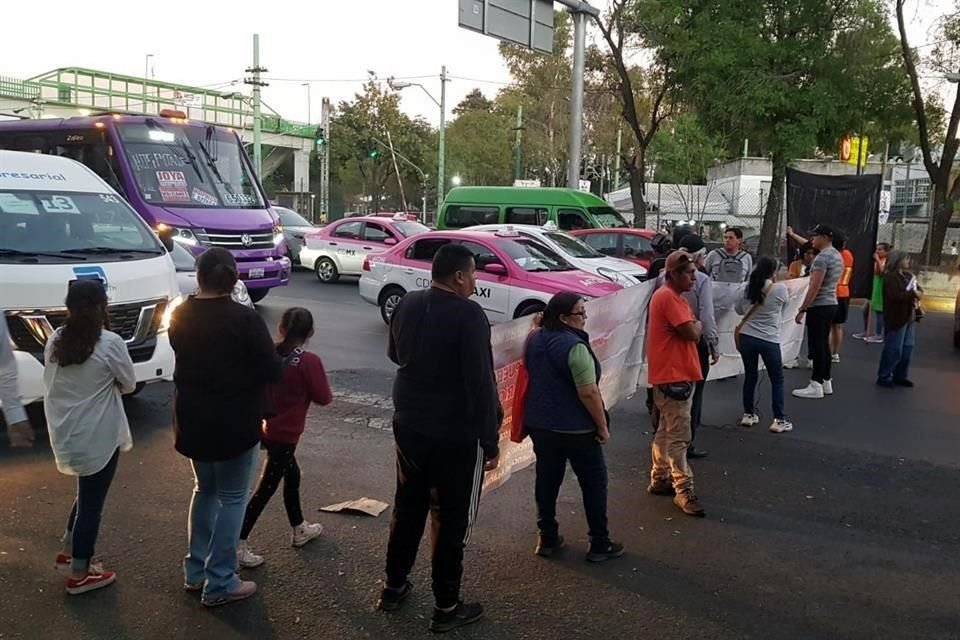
(940, 171)
(479, 148)
(645, 95)
(790, 75)
(359, 145)
(474, 101)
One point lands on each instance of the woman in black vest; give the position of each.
(565, 417)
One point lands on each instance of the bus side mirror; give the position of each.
(165, 234)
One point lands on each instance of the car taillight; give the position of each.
(366, 264)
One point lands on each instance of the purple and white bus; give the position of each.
(193, 177)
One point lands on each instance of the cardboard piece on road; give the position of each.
(365, 506)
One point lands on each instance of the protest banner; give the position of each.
(617, 325)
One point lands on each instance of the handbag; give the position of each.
(746, 318)
(520, 388)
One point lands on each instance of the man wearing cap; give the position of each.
(673, 369)
(700, 299)
(820, 309)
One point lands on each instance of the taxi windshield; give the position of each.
(410, 228)
(573, 247)
(532, 256)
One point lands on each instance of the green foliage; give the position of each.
(683, 151)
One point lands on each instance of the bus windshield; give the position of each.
(41, 225)
(189, 166)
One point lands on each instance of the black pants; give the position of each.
(441, 478)
(586, 458)
(83, 524)
(281, 465)
(819, 322)
(695, 412)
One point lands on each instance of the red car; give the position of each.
(629, 244)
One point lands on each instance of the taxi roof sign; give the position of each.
(507, 232)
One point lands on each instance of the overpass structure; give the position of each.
(74, 91)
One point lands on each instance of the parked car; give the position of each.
(576, 252)
(186, 266)
(568, 208)
(627, 244)
(295, 227)
(516, 275)
(339, 248)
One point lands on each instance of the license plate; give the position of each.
(255, 274)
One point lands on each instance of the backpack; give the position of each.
(730, 268)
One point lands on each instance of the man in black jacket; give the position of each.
(446, 425)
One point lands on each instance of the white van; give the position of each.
(59, 222)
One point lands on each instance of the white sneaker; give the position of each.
(793, 364)
(828, 387)
(246, 558)
(835, 358)
(305, 532)
(814, 391)
(749, 420)
(781, 426)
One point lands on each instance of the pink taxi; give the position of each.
(339, 248)
(516, 275)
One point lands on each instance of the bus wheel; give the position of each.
(256, 295)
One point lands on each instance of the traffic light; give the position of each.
(373, 151)
(320, 137)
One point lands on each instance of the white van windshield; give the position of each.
(46, 226)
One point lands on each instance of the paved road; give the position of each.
(847, 528)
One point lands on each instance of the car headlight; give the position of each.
(168, 313)
(186, 236)
(241, 295)
(277, 235)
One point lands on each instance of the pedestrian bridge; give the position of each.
(73, 91)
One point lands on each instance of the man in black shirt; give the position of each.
(446, 424)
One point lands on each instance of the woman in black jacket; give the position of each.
(225, 360)
(901, 293)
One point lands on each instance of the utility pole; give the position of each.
(516, 148)
(441, 181)
(256, 70)
(325, 162)
(616, 167)
(576, 99)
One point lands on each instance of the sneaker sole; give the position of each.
(300, 543)
(93, 586)
(450, 626)
(603, 557)
(547, 552)
(251, 565)
(804, 396)
(227, 600)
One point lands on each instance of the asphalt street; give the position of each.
(849, 527)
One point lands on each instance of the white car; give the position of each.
(186, 266)
(576, 252)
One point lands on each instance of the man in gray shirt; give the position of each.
(729, 263)
(700, 299)
(820, 308)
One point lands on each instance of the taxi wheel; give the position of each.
(389, 300)
(529, 308)
(326, 271)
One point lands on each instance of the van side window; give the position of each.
(425, 249)
(571, 220)
(459, 216)
(526, 215)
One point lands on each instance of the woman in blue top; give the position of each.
(565, 417)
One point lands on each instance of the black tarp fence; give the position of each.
(848, 204)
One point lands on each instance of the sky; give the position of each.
(331, 44)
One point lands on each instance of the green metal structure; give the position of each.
(92, 90)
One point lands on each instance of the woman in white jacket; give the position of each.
(87, 369)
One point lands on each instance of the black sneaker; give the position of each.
(460, 616)
(887, 384)
(904, 383)
(545, 550)
(609, 552)
(391, 599)
(693, 453)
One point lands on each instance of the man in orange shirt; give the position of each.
(673, 368)
(843, 296)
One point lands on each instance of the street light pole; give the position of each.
(517, 160)
(256, 70)
(441, 185)
(576, 99)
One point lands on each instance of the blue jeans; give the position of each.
(553, 450)
(878, 323)
(752, 349)
(83, 525)
(897, 349)
(216, 515)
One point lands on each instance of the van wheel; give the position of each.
(389, 300)
(326, 271)
(529, 308)
(256, 295)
